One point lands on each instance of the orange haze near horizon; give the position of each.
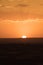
(18, 29)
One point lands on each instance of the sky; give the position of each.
(21, 17)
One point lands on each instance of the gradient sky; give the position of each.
(21, 17)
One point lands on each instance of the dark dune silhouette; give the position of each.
(21, 51)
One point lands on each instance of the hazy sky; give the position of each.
(21, 17)
(12, 9)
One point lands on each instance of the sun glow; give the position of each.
(24, 36)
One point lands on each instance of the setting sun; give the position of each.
(24, 36)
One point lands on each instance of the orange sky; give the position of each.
(14, 29)
(19, 17)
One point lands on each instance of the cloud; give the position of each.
(22, 5)
(0, 5)
(10, 0)
(9, 6)
(21, 21)
(41, 4)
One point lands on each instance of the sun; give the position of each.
(24, 36)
